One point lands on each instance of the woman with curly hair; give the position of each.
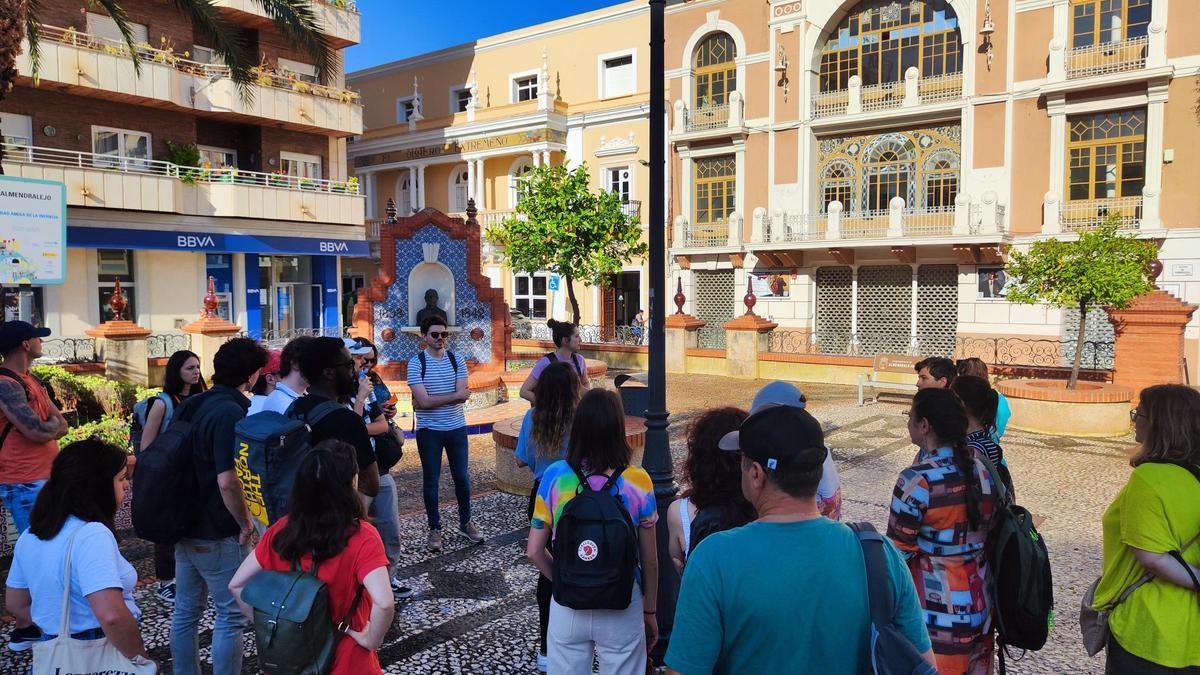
(713, 501)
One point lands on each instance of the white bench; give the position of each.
(889, 363)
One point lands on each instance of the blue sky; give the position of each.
(396, 29)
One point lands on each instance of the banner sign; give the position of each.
(212, 242)
(33, 231)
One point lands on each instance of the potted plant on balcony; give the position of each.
(277, 179)
(1102, 268)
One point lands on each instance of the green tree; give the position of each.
(294, 19)
(561, 226)
(1101, 268)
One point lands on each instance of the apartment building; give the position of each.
(864, 165)
(468, 121)
(269, 211)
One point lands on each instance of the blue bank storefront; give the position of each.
(273, 286)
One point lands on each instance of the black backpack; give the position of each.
(552, 358)
(1020, 587)
(5, 372)
(453, 362)
(595, 549)
(165, 490)
(891, 651)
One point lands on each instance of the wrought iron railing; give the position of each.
(706, 234)
(711, 337)
(590, 334)
(69, 350)
(275, 339)
(1044, 353)
(1107, 58)
(163, 345)
(1084, 214)
(708, 117)
(865, 224)
(927, 221)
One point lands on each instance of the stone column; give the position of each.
(1149, 347)
(421, 187)
(682, 333)
(480, 184)
(123, 344)
(746, 338)
(470, 179)
(210, 331)
(369, 182)
(412, 191)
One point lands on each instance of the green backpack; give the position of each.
(291, 621)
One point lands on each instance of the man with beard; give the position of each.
(329, 370)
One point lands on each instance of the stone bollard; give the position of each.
(123, 343)
(682, 333)
(210, 331)
(746, 337)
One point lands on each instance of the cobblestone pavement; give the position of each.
(474, 612)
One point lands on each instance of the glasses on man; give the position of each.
(438, 335)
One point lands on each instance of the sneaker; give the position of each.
(400, 591)
(166, 592)
(542, 663)
(434, 542)
(472, 533)
(22, 639)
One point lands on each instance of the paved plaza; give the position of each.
(474, 609)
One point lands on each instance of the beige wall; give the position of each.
(989, 135)
(1180, 205)
(750, 16)
(1034, 30)
(1183, 38)
(995, 80)
(786, 150)
(1032, 126)
(170, 284)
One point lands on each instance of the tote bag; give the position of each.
(64, 654)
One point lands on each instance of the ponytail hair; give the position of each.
(560, 331)
(948, 419)
(978, 397)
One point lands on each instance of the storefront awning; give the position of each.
(212, 242)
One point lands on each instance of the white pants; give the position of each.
(617, 635)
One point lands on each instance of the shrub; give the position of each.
(109, 428)
(90, 396)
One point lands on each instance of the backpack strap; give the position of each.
(612, 479)
(344, 624)
(878, 581)
(583, 480)
(553, 358)
(1002, 495)
(424, 363)
(6, 372)
(319, 411)
(453, 362)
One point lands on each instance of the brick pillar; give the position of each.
(1149, 347)
(746, 338)
(210, 331)
(123, 343)
(682, 333)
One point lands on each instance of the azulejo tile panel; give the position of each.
(470, 311)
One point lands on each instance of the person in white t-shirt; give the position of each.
(75, 511)
(290, 384)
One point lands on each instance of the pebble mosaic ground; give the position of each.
(473, 610)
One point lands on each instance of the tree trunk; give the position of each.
(1078, 346)
(574, 302)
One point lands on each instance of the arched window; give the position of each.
(889, 169)
(458, 188)
(404, 190)
(515, 175)
(715, 69)
(940, 174)
(880, 39)
(716, 189)
(837, 184)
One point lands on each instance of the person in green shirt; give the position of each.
(1157, 628)
(786, 593)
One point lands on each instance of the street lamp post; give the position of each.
(657, 455)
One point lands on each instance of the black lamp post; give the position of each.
(657, 455)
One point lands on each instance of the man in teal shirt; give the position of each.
(788, 592)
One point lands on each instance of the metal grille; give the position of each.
(1097, 331)
(884, 309)
(833, 310)
(714, 304)
(937, 309)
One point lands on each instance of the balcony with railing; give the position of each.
(964, 218)
(140, 184)
(104, 68)
(338, 19)
(1107, 58)
(1079, 215)
(709, 120)
(914, 91)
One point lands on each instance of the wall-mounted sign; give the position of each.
(991, 282)
(454, 147)
(33, 231)
(772, 284)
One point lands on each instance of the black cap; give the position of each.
(779, 437)
(13, 333)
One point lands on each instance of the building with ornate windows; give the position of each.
(866, 165)
(468, 121)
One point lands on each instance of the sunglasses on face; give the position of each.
(1134, 414)
(436, 335)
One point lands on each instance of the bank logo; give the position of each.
(334, 247)
(194, 241)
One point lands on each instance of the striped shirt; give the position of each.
(439, 379)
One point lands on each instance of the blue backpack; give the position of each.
(137, 422)
(269, 449)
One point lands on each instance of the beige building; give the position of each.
(267, 212)
(467, 121)
(867, 163)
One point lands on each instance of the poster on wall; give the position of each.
(772, 283)
(33, 231)
(992, 281)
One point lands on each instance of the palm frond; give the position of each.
(33, 34)
(226, 40)
(117, 14)
(299, 26)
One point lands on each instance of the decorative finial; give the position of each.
(750, 300)
(474, 85)
(391, 210)
(471, 210)
(680, 298)
(1155, 268)
(210, 300)
(116, 302)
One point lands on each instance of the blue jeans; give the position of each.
(203, 567)
(430, 444)
(18, 498)
(387, 519)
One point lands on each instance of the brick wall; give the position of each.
(162, 19)
(276, 140)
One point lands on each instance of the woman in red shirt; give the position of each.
(326, 520)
